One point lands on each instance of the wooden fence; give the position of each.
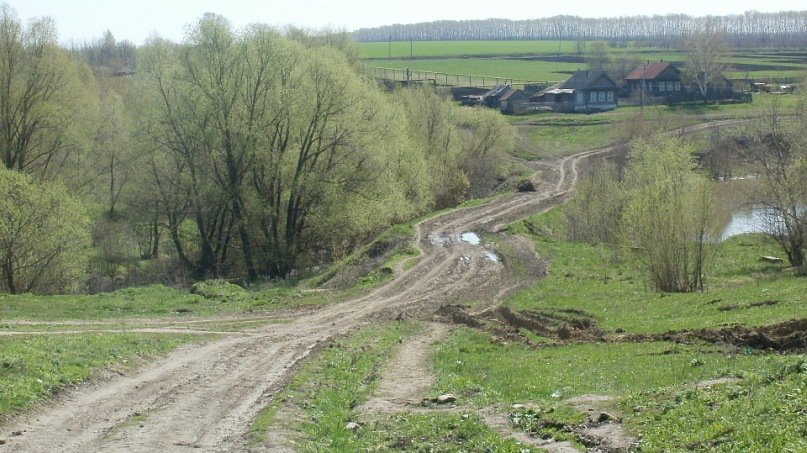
(450, 80)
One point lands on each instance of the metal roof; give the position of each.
(648, 71)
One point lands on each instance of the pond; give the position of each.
(744, 221)
(756, 219)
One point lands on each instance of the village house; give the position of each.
(664, 82)
(658, 79)
(585, 92)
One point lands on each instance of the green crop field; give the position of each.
(525, 70)
(555, 60)
(430, 49)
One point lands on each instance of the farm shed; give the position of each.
(502, 97)
(513, 102)
(585, 92)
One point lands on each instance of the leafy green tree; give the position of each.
(667, 215)
(46, 100)
(433, 126)
(594, 215)
(277, 151)
(487, 140)
(44, 236)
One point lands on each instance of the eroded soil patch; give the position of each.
(785, 336)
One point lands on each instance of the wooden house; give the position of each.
(505, 98)
(665, 82)
(585, 91)
(658, 79)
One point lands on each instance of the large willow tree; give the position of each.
(46, 101)
(272, 150)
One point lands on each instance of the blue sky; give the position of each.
(136, 20)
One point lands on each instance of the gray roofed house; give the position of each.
(585, 91)
(505, 98)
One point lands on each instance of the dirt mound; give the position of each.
(786, 336)
(563, 324)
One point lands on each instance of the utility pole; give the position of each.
(641, 96)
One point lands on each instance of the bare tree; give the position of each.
(707, 57)
(781, 152)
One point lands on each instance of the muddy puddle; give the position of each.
(471, 238)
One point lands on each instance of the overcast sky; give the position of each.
(136, 20)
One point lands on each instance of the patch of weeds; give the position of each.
(377, 277)
(444, 432)
(512, 373)
(219, 290)
(552, 423)
(765, 411)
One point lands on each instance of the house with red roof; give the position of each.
(658, 79)
(665, 82)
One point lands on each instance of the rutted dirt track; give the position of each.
(205, 398)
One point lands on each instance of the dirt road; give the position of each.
(205, 398)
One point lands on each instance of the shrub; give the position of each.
(44, 237)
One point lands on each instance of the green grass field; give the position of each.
(506, 59)
(421, 49)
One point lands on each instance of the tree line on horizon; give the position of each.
(787, 28)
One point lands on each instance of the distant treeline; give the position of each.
(782, 28)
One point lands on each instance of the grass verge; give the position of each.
(324, 396)
(32, 368)
(601, 283)
(156, 301)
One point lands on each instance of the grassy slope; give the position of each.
(34, 367)
(550, 135)
(150, 302)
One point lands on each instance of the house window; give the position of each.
(661, 86)
(593, 98)
(602, 96)
(610, 96)
(649, 86)
(669, 86)
(677, 86)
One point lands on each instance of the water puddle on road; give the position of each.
(471, 238)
